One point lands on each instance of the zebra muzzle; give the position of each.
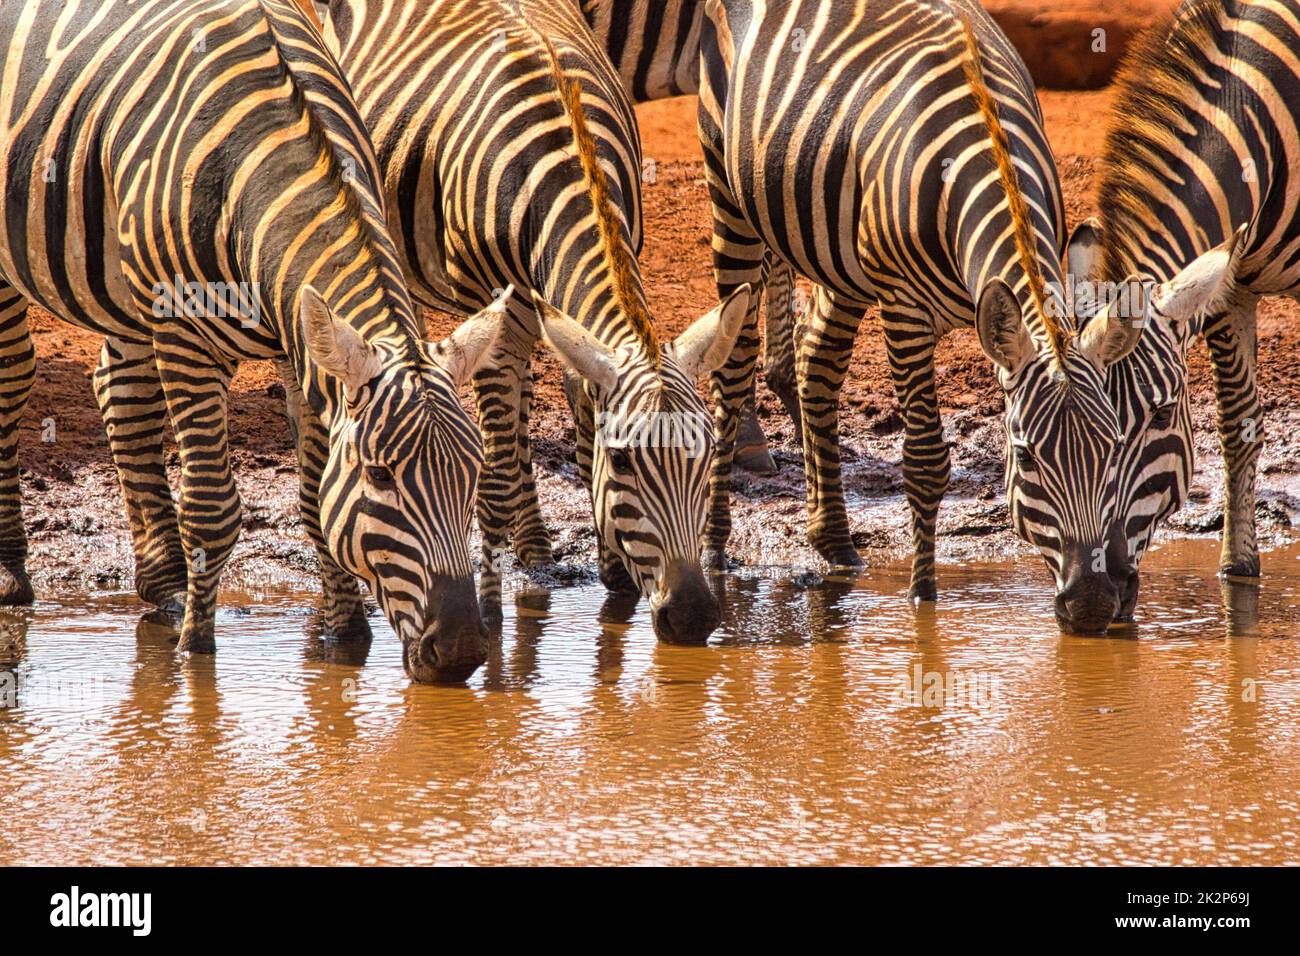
(455, 646)
(446, 659)
(1087, 604)
(684, 611)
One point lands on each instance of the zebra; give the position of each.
(895, 153)
(1197, 196)
(655, 49)
(510, 156)
(157, 150)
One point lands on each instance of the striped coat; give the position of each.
(510, 157)
(192, 180)
(1199, 196)
(894, 153)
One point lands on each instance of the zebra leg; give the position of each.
(17, 373)
(729, 387)
(532, 542)
(196, 386)
(1231, 340)
(781, 327)
(498, 396)
(130, 398)
(737, 260)
(911, 341)
(343, 610)
(752, 453)
(822, 360)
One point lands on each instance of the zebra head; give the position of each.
(398, 488)
(1148, 386)
(1063, 438)
(651, 455)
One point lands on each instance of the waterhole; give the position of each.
(828, 721)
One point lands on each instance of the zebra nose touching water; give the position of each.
(1196, 193)
(1148, 389)
(398, 488)
(1063, 439)
(511, 156)
(924, 183)
(237, 158)
(651, 444)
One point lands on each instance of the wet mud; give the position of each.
(79, 539)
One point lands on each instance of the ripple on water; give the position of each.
(825, 723)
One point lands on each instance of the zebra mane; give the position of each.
(309, 11)
(1026, 244)
(610, 226)
(1148, 117)
(336, 143)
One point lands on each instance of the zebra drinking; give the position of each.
(217, 142)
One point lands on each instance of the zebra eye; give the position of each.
(1163, 416)
(1024, 457)
(380, 477)
(620, 460)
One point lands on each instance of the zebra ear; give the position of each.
(708, 343)
(1083, 249)
(1001, 327)
(1082, 252)
(334, 346)
(466, 350)
(581, 352)
(1115, 331)
(1201, 285)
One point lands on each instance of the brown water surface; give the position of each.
(826, 723)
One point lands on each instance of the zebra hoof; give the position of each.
(198, 640)
(713, 559)
(165, 592)
(844, 557)
(922, 591)
(1247, 567)
(15, 587)
(353, 628)
(489, 610)
(173, 607)
(755, 459)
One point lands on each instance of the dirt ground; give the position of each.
(79, 538)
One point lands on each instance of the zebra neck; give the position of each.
(1168, 232)
(653, 44)
(359, 285)
(1002, 261)
(592, 302)
(1193, 142)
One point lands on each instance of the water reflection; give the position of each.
(13, 637)
(829, 721)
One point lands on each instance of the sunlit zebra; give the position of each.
(895, 153)
(510, 156)
(655, 49)
(1198, 195)
(156, 154)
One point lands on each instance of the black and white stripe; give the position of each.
(216, 142)
(1198, 196)
(895, 153)
(510, 157)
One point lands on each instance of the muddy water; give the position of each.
(970, 733)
